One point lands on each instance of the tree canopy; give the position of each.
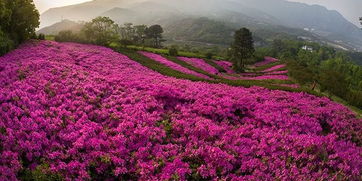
(242, 48)
(18, 21)
(101, 31)
(155, 32)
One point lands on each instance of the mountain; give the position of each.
(351, 9)
(311, 20)
(61, 26)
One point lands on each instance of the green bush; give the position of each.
(209, 55)
(173, 51)
(41, 36)
(68, 36)
(125, 42)
(354, 98)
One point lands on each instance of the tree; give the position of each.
(24, 20)
(155, 32)
(242, 48)
(18, 21)
(101, 31)
(67, 36)
(173, 51)
(140, 34)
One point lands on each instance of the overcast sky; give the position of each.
(350, 9)
(44, 5)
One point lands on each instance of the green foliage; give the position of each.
(18, 21)
(209, 55)
(242, 48)
(41, 36)
(6, 44)
(261, 53)
(101, 31)
(155, 32)
(173, 51)
(40, 173)
(165, 51)
(203, 30)
(332, 71)
(140, 34)
(354, 97)
(126, 42)
(68, 36)
(301, 73)
(104, 31)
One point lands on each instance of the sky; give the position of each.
(44, 5)
(350, 9)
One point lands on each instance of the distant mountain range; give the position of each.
(214, 21)
(61, 26)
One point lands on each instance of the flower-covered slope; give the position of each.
(172, 65)
(85, 112)
(201, 64)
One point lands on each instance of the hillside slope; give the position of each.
(61, 26)
(315, 19)
(86, 112)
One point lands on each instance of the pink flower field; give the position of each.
(85, 112)
(227, 66)
(266, 61)
(172, 65)
(201, 64)
(274, 68)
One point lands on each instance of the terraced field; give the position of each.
(81, 112)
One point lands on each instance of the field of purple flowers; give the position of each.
(81, 112)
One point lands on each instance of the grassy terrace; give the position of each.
(165, 52)
(156, 66)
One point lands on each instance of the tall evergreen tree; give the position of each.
(242, 48)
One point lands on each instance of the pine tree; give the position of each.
(242, 48)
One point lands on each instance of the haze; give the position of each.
(348, 8)
(44, 5)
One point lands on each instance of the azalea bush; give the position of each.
(82, 112)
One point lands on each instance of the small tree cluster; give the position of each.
(104, 31)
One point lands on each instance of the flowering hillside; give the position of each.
(81, 112)
(200, 63)
(172, 65)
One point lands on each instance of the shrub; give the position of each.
(209, 55)
(67, 36)
(41, 36)
(125, 42)
(173, 51)
(6, 44)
